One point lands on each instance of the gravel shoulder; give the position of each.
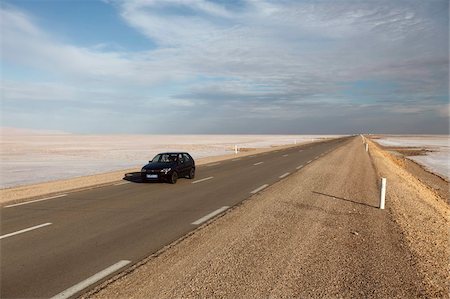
(317, 233)
(418, 203)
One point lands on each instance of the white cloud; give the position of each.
(301, 55)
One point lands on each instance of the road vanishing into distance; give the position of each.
(65, 244)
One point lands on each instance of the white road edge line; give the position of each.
(32, 201)
(285, 155)
(91, 280)
(210, 215)
(258, 163)
(284, 175)
(121, 183)
(24, 230)
(309, 162)
(259, 189)
(202, 180)
(298, 167)
(237, 159)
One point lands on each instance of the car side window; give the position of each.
(180, 158)
(186, 158)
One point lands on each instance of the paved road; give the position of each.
(60, 246)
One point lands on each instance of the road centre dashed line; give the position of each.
(33, 201)
(25, 230)
(91, 280)
(210, 215)
(259, 188)
(284, 175)
(258, 163)
(202, 180)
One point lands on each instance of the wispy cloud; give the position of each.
(285, 61)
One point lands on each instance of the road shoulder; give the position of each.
(423, 215)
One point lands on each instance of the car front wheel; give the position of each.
(174, 178)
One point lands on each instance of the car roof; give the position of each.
(173, 153)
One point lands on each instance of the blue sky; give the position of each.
(199, 66)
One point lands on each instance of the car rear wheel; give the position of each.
(174, 178)
(191, 173)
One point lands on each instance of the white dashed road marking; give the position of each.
(285, 155)
(284, 175)
(298, 167)
(259, 189)
(32, 201)
(24, 230)
(214, 164)
(202, 180)
(91, 280)
(258, 163)
(210, 215)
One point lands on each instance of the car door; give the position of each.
(183, 166)
(189, 161)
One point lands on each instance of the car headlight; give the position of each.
(166, 170)
(143, 170)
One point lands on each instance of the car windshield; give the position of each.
(165, 158)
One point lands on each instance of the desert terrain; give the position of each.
(30, 157)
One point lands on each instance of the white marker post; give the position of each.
(367, 147)
(235, 149)
(382, 193)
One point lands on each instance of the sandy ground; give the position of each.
(423, 215)
(31, 158)
(34, 191)
(318, 233)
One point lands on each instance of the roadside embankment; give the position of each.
(30, 192)
(423, 215)
(317, 233)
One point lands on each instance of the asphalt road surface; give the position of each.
(65, 245)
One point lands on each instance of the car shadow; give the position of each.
(135, 177)
(345, 199)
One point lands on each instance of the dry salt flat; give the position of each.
(29, 157)
(437, 160)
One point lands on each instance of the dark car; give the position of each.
(169, 167)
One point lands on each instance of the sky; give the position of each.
(225, 66)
